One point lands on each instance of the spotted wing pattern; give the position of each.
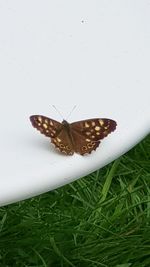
(55, 130)
(88, 133)
(46, 126)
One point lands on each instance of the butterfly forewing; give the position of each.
(94, 129)
(46, 126)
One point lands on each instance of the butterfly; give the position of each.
(81, 137)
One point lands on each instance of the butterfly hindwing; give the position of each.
(63, 142)
(82, 144)
(46, 126)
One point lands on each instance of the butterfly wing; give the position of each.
(55, 130)
(82, 145)
(88, 133)
(46, 126)
(63, 142)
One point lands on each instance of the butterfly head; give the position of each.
(64, 122)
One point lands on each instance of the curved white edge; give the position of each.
(67, 175)
(59, 53)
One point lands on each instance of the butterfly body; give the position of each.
(81, 137)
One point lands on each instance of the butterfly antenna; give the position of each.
(58, 111)
(71, 112)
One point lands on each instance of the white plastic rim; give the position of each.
(94, 54)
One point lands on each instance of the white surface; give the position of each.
(95, 54)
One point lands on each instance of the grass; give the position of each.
(100, 220)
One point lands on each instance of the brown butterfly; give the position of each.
(81, 137)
